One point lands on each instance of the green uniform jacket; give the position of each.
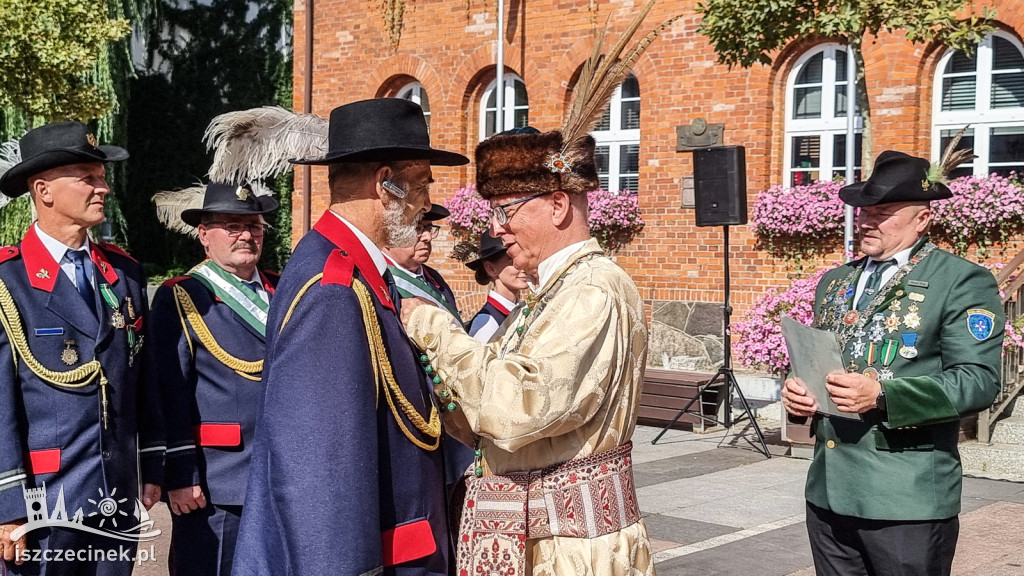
(903, 464)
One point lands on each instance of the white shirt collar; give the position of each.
(392, 262)
(375, 253)
(56, 248)
(508, 304)
(902, 257)
(552, 263)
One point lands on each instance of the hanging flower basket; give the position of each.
(799, 222)
(982, 212)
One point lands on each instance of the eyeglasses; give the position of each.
(433, 228)
(501, 216)
(235, 229)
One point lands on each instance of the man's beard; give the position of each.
(397, 233)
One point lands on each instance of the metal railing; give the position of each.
(1011, 283)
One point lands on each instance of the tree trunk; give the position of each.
(867, 157)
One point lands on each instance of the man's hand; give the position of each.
(410, 304)
(796, 399)
(11, 550)
(187, 499)
(150, 495)
(853, 392)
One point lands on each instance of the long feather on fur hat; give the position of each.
(250, 145)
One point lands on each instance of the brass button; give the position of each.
(831, 443)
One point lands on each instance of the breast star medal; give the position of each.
(117, 320)
(912, 320)
(892, 323)
(69, 356)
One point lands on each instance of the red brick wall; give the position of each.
(449, 47)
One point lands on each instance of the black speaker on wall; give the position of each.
(720, 185)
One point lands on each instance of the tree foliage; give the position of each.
(49, 54)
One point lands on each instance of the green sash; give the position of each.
(411, 286)
(233, 292)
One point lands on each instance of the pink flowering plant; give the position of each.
(614, 218)
(757, 337)
(983, 211)
(799, 222)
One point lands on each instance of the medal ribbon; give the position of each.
(412, 286)
(233, 292)
(889, 349)
(871, 353)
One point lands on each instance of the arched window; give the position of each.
(618, 139)
(515, 103)
(986, 90)
(815, 146)
(414, 91)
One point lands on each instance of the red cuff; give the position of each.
(407, 542)
(44, 461)
(219, 434)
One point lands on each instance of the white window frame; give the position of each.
(825, 127)
(415, 92)
(983, 117)
(615, 137)
(510, 107)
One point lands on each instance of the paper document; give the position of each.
(813, 354)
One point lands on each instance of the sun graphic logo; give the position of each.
(108, 507)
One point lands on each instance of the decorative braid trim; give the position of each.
(194, 319)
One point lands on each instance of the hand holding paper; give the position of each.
(814, 355)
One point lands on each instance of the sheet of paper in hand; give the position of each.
(813, 354)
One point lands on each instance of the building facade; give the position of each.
(790, 117)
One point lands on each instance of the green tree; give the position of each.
(749, 32)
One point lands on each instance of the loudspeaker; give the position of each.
(720, 185)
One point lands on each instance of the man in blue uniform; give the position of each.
(209, 331)
(922, 333)
(347, 476)
(408, 264)
(71, 367)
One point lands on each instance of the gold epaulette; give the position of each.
(188, 314)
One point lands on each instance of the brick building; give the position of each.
(789, 116)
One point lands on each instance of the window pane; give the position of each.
(1005, 55)
(960, 172)
(806, 152)
(603, 181)
(808, 103)
(958, 93)
(840, 64)
(424, 101)
(631, 115)
(630, 87)
(1007, 145)
(1008, 90)
(811, 71)
(605, 123)
(629, 158)
(490, 124)
(967, 141)
(520, 94)
(492, 99)
(839, 152)
(629, 183)
(601, 159)
(961, 62)
(522, 118)
(840, 100)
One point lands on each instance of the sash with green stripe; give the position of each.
(233, 292)
(412, 286)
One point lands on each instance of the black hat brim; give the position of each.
(14, 182)
(436, 212)
(193, 216)
(389, 153)
(475, 265)
(861, 194)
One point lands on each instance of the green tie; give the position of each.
(874, 281)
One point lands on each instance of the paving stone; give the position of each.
(774, 553)
(682, 532)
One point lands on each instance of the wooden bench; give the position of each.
(666, 392)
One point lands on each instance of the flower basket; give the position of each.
(799, 222)
(983, 211)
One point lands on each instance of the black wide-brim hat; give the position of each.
(490, 247)
(896, 177)
(436, 212)
(228, 199)
(381, 130)
(54, 145)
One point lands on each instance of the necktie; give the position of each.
(396, 298)
(255, 287)
(83, 268)
(874, 281)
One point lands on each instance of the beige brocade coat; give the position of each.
(567, 387)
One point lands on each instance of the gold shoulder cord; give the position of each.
(187, 311)
(77, 378)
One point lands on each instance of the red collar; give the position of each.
(351, 249)
(42, 269)
(501, 307)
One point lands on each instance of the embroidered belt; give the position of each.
(583, 498)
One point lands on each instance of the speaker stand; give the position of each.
(724, 378)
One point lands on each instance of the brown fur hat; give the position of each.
(531, 163)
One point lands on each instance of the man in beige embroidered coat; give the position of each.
(552, 403)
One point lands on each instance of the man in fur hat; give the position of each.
(347, 476)
(209, 334)
(550, 406)
(71, 369)
(922, 333)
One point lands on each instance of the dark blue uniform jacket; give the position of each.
(336, 487)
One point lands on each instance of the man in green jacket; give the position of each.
(921, 332)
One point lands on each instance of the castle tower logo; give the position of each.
(114, 521)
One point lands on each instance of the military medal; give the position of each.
(892, 323)
(912, 320)
(895, 305)
(857, 348)
(851, 317)
(876, 331)
(888, 354)
(131, 308)
(69, 356)
(885, 374)
(871, 373)
(909, 350)
(117, 320)
(872, 353)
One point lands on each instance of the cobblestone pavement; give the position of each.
(715, 506)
